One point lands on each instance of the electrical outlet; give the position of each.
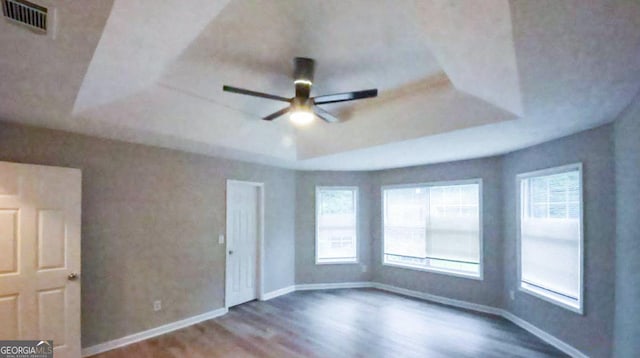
(157, 305)
(364, 268)
(512, 295)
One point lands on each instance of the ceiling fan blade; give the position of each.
(275, 115)
(254, 93)
(324, 115)
(342, 97)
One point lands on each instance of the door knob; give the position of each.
(72, 276)
(230, 252)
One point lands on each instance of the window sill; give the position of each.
(477, 277)
(340, 262)
(550, 297)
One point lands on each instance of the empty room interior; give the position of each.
(287, 178)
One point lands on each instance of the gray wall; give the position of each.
(592, 332)
(151, 218)
(486, 292)
(150, 223)
(306, 269)
(627, 154)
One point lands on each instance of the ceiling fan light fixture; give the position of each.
(301, 117)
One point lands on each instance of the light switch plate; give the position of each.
(220, 239)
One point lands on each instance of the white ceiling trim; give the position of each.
(141, 38)
(473, 42)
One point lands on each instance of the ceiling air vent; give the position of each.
(26, 13)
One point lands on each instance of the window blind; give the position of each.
(550, 234)
(433, 227)
(336, 232)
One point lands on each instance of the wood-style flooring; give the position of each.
(344, 323)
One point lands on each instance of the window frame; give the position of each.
(542, 293)
(478, 181)
(356, 196)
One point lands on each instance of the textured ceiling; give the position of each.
(457, 79)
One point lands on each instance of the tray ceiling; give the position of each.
(457, 79)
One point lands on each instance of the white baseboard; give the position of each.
(276, 293)
(140, 336)
(331, 286)
(566, 348)
(313, 286)
(439, 299)
(120, 342)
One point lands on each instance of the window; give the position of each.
(433, 227)
(551, 235)
(336, 220)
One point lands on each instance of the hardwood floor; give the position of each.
(344, 323)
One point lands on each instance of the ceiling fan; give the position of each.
(303, 107)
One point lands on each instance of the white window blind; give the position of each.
(550, 235)
(336, 220)
(433, 227)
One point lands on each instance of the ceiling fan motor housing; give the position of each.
(303, 79)
(301, 103)
(303, 69)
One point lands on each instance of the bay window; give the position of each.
(336, 225)
(433, 227)
(551, 235)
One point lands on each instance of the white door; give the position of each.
(39, 255)
(243, 215)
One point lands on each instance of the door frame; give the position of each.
(259, 243)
